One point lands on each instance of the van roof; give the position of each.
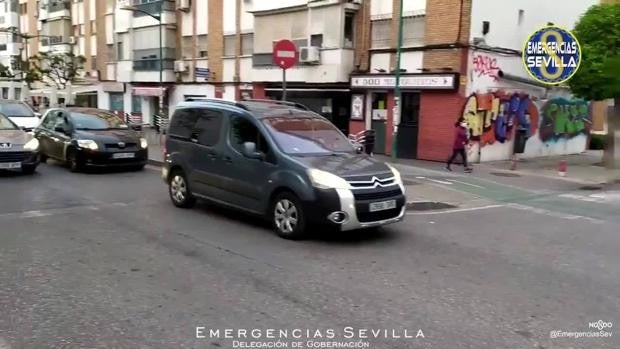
(259, 108)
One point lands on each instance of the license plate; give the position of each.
(382, 205)
(123, 155)
(10, 165)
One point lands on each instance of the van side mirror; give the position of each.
(249, 151)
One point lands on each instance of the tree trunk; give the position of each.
(612, 150)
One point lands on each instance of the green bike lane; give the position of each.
(544, 201)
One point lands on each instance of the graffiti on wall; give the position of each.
(563, 117)
(492, 117)
(486, 66)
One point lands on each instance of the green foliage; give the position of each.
(598, 142)
(58, 68)
(27, 73)
(598, 32)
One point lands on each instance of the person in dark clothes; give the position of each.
(460, 141)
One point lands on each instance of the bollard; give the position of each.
(562, 168)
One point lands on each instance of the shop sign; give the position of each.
(357, 107)
(113, 87)
(421, 82)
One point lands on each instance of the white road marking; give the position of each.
(580, 197)
(440, 182)
(554, 214)
(4, 344)
(468, 209)
(420, 177)
(471, 185)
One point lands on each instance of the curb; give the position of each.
(153, 162)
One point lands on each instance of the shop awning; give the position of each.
(148, 91)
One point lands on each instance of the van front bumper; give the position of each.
(352, 213)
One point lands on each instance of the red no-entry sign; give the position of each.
(285, 54)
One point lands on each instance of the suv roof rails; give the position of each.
(215, 100)
(291, 104)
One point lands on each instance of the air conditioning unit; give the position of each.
(180, 67)
(357, 2)
(310, 54)
(72, 40)
(183, 5)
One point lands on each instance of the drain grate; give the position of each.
(505, 174)
(590, 187)
(428, 206)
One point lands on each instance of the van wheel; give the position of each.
(288, 216)
(178, 189)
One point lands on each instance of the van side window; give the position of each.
(208, 126)
(182, 123)
(242, 130)
(50, 120)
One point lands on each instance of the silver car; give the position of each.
(19, 150)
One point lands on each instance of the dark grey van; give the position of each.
(278, 160)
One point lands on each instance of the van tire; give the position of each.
(179, 191)
(288, 216)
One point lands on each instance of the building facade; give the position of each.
(459, 58)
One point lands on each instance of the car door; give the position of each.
(206, 158)
(44, 132)
(60, 139)
(248, 178)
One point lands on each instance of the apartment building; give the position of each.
(10, 50)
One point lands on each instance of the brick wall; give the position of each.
(104, 53)
(442, 27)
(215, 39)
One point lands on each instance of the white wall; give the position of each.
(328, 21)
(187, 20)
(229, 69)
(336, 65)
(503, 18)
(245, 65)
(202, 24)
(247, 19)
(180, 91)
(261, 5)
(411, 61)
(381, 7)
(413, 6)
(229, 17)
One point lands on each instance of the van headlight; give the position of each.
(32, 145)
(325, 180)
(396, 174)
(87, 144)
(143, 143)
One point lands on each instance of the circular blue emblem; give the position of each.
(551, 55)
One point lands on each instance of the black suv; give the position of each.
(279, 160)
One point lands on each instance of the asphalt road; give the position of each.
(105, 261)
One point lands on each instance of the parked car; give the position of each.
(278, 160)
(88, 137)
(18, 149)
(21, 114)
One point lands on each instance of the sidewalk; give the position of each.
(154, 140)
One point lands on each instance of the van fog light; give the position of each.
(338, 217)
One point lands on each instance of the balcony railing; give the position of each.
(52, 40)
(152, 64)
(154, 7)
(59, 5)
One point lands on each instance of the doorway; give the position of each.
(378, 110)
(407, 138)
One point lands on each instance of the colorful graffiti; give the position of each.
(492, 117)
(486, 66)
(562, 117)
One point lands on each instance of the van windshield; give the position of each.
(306, 134)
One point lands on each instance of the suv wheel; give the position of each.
(74, 163)
(288, 216)
(179, 190)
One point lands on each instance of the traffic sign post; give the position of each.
(285, 56)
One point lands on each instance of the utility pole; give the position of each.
(397, 92)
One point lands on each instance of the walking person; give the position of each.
(460, 142)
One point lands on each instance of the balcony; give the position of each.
(152, 64)
(52, 40)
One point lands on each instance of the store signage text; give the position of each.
(411, 82)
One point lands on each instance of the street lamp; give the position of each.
(157, 17)
(397, 93)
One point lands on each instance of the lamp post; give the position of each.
(397, 92)
(157, 17)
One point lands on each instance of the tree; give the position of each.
(25, 72)
(58, 69)
(598, 77)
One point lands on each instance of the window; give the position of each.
(117, 101)
(413, 31)
(247, 44)
(380, 34)
(93, 62)
(187, 47)
(2, 47)
(208, 126)
(23, 8)
(243, 130)
(410, 108)
(93, 27)
(203, 54)
(182, 123)
(348, 30)
(136, 104)
(520, 18)
(50, 120)
(316, 40)
(119, 50)
(18, 93)
(229, 45)
(202, 46)
(5, 93)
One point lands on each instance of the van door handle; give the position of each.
(228, 159)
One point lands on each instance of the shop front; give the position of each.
(373, 108)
